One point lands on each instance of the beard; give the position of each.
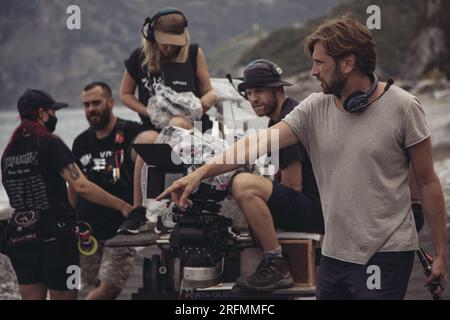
(269, 107)
(336, 84)
(272, 106)
(100, 119)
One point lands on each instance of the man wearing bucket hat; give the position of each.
(291, 202)
(363, 137)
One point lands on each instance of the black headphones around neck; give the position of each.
(149, 34)
(358, 100)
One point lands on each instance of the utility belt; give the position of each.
(30, 227)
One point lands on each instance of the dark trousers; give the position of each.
(384, 277)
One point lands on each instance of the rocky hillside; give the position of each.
(37, 50)
(414, 38)
(430, 48)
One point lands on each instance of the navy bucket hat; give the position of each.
(262, 73)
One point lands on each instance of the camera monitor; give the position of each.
(161, 168)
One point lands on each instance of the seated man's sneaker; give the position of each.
(135, 220)
(271, 274)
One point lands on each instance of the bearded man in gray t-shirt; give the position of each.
(362, 136)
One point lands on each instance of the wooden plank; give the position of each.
(136, 240)
(300, 254)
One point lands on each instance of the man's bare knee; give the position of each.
(247, 185)
(239, 183)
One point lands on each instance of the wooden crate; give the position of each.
(300, 254)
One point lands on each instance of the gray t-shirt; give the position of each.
(361, 166)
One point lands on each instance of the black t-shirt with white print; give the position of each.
(31, 176)
(100, 159)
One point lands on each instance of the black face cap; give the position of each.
(262, 73)
(33, 99)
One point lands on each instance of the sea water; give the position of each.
(71, 122)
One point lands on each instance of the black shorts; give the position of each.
(45, 262)
(295, 211)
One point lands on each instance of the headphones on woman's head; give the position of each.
(358, 100)
(150, 33)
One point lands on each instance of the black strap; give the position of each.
(120, 127)
(193, 53)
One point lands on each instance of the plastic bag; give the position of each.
(162, 208)
(194, 148)
(167, 103)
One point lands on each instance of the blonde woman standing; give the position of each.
(165, 42)
(167, 57)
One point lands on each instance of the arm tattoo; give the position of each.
(73, 172)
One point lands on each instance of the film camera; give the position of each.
(201, 238)
(193, 251)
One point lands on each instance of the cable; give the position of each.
(228, 76)
(390, 82)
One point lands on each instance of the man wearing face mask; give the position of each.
(103, 154)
